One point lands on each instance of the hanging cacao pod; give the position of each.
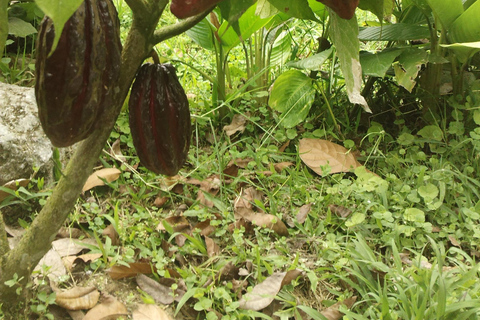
(76, 82)
(159, 119)
(188, 8)
(344, 8)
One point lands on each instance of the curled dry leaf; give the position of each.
(110, 232)
(339, 210)
(150, 312)
(78, 298)
(237, 125)
(332, 313)
(109, 309)
(303, 212)
(13, 185)
(264, 293)
(178, 223)
(67, 247)
(69, 262)
(95, 179)
(55, 265)
(160, 293)
(212, 248)
(116, 152)
(134, 268)
(263, 220)
(317, 153)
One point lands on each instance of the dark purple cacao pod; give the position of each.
(159, 119)
(76, 82)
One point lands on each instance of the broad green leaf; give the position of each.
(356, 219)
(380, 8)
(3, 24)
(394, 32)
(59, 11)
(282, 49)
(466, 28)
(344, 36)
(232, 10)
(314, 62)
(476, 117)
(295, 8)
(265, 9)
(247, 25)
(408, 66)
(414, 215)
(428, 192)
(378, 64)
(202, 34)
(20, 28)
(447, 11)
(292, 95)
(319, 9)
(464, 51)
(431, 132)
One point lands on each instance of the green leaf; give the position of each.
(408, 66)
(414, 215)
(314, 62)
(464, 51)
(447, 11)
(378, 8)
(356, 219)
(20, 28)
(394, 32)
(265, 9)
(319, 9)
(59, 11)
(466, 28)
(476, 116)
(292, 95)
(344, 36)
(428, 191)
(232, 10)
(431, 132)
(378, 64)
(295, 8)
(3, 24)
(282, 49)
(406, 139)
(202, 34)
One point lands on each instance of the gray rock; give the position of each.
(23, 144)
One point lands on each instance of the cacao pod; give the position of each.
(344, 8)
(76, 82)
(159, 119)
(188, 8)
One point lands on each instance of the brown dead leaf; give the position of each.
(76, 314)
(110, 232)
(247, 197)
(13, 185)
(160, 293)
(263, 220)
(68, 247)
(212, 248)
(74, 233)
(241, 163)
(340, 211)
(228, 272)
(332, 313)
(53, 261)
(109, 309)
(14, 232)
(316, 153)
(150, 312)
(210, 185)
(237, 125)
(231, 170)
(282, 165)
(95, 179)
(303, 212)
(160, 201)
(178, 223)
(120, 271)
(264, 293)
(284, 146)
(116, 152)
(454, 241)
(78, 298)
(247, 225)
(205, 228)
(69, 262)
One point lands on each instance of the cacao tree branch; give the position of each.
(137, 6)
(4, 247)
(37, 240)
(170, 31)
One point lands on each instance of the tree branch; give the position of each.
(170, 31)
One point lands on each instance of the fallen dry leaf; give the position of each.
(110, 232)
(284, 146)
(264, 293)
(134, 268)
(178, 223)
(212, 248)
(303, 212)
(263, 220)
(78, 298)
(150, 312)
(95, 179)
(69, 262)
(109, 309)
(55, 265)
(116, 152)
(67, 247)
(160, 293)
(282, 165)
(454, 241)
(339, 210)
(317, 153)
(237, 125)
(13, 185)
(332, 313)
